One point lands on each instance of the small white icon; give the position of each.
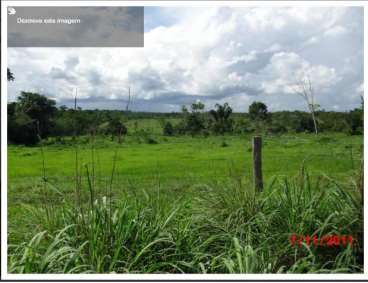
(11, 11)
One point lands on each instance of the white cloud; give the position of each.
(217, 54)
(286, 70)
(335, 31)
(360, 89)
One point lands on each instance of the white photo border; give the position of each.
(159, 277)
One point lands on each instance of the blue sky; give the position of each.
(215, 54)
(155, 17)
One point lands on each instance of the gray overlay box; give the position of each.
(75, 26)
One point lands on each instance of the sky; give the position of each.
(212, 54)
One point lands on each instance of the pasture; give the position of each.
(184, 204)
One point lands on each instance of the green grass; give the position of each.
(187, 157)
(184, 205)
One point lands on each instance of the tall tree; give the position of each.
(258, 111)
(304, 88)
(38, 108)
(194, 121)
(221, 115)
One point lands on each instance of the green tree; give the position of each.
(356, 119)
(223, 123)
(65, 123)
(197, 106)
(258, 111)
(117, 128)
(22, 129)
(194, 122)
(168, 129)
(39, 109)
(306, 124)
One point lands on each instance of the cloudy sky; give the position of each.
(219, 54)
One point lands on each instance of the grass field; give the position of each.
(184, 204)
(186, 157)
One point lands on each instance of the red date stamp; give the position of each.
(324, 241)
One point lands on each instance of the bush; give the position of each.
(151, 140)
(180, 128)
(243, 126)
(276, 128)
(224, 144)
(206, 133)
(326, 140)
(22, 130)
(305, 125)
(168, 129)
(356, 119)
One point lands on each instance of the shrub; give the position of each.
(276, 128)
(224, 144)
(168, 129)
(305, 124)
(243, 126)
(151, 140)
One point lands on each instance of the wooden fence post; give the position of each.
(257, 163)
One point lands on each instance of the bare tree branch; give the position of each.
(304, 88)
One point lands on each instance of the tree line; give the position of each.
(33, 117)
